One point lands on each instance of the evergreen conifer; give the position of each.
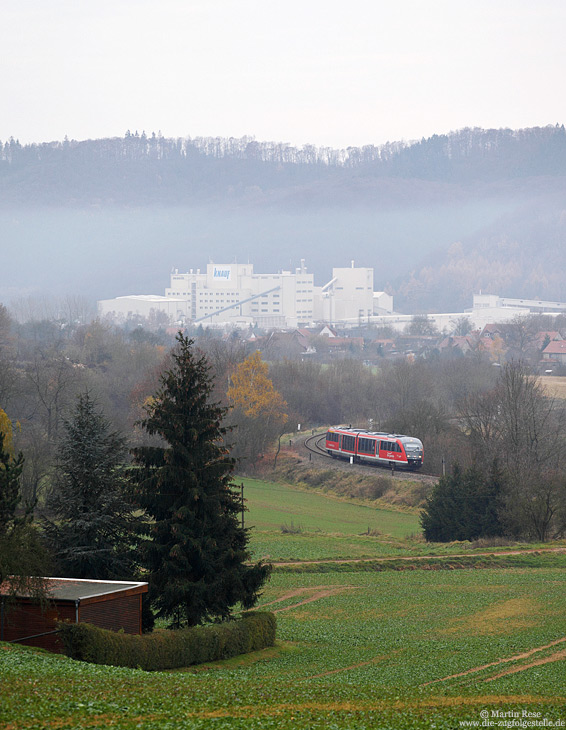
(90, 524)
(195, 551)
(464, 506)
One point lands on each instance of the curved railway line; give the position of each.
(312, 445)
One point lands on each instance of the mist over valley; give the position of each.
(437, 220)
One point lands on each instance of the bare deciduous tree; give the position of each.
(520, 425)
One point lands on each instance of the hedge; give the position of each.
(169, 649)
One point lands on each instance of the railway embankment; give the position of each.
(301, 463)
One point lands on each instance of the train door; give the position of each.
(348, 445)
(366, 448)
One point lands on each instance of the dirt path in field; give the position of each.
(319, 592)
(559, 656)
(359, 706)
(353, 666)
(516, 657)
(275, 710)
(418, 557)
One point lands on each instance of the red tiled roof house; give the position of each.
(555, 351)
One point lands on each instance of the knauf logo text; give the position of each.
(221, 273)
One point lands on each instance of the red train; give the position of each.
(374, 447)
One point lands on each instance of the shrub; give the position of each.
(169, 649)
(291, 529)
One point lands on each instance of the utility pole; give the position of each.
(242, 488)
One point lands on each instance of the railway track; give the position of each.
(313, 445)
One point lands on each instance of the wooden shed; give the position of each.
(114, 605)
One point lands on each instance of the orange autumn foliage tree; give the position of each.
(7, 432)
(258, 410)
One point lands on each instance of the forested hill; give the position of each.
(140, 169)
(437, 219)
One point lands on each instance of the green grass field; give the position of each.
(320, 526)
(272, 505)
(357, 649)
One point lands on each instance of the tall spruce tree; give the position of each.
(90, 525)
(195, 551)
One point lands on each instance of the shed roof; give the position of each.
(73, 589)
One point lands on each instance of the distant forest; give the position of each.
(142, 169)
(473, 209)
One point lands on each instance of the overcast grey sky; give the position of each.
(330, 72)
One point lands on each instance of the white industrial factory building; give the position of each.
(233, 295)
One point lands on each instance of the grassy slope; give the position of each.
(273, 504)
(372, 485)
(327, 527)
(357, 648)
